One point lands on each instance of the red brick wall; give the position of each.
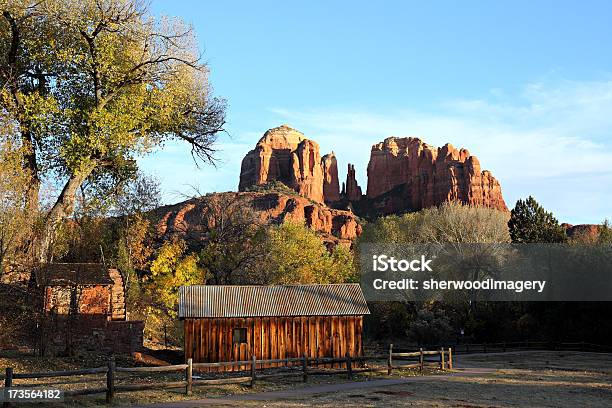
(94, 299)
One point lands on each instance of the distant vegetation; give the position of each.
(274, 186)
(439, 322)
(530, 223)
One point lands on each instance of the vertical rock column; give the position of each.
(331, 185)
(353, 191)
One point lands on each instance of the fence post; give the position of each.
(253, 362)
(390, 361)
(349, 368)
(110, 381)
(450, 358)
(189, 376)
(304, 367)
(442, 359)
(8, 382)
(421, 360)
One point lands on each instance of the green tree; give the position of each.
(233, 243)
(297, 255)
(103, 217)
(91, 85)
(135, 235)
(171, 269)
(530, 222)
(430, 327)
(605, 233)
(14, 219)
(449, 223)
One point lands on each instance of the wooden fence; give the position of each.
(442, 359)
(502, 347)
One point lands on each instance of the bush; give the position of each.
(274, 186)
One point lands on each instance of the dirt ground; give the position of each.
(515, 379)
(522, 379)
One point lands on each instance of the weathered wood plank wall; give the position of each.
(209, 340)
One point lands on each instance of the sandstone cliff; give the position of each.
(351, 190)
(406, 174)
(286, 155)
(584, 233)
(331, 186)
(192, 219)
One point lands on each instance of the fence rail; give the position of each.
(315, 362)
(443, 359)
(485, 347)
(440, 358)
(307, 367)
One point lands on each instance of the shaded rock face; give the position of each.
(188, 220)
(331, 186)
(585, 233)
(284, 154)
(406, 174)
(351, 190)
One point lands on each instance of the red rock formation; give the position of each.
(331, 186)
(307, 171)
(407, 174)
(351, 190)
(271, 158)
(584, 233)
(189, 219)
(284, 154)
(404, 174)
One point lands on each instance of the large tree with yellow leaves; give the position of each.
(89, 85)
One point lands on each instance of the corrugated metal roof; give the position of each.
(286, 300)
(57, 274)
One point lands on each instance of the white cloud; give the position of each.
(550, 141)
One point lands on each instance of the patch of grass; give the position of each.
(551, 379)
(23, 363)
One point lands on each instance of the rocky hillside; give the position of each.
(585, 233)
(193, 219)
(404, 174)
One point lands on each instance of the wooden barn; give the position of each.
(231, 323)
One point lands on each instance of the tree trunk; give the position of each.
(29, 164)
(63, 207)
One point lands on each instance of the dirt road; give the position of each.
(300, 393)
(517, 379)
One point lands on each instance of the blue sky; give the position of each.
(524, 85)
